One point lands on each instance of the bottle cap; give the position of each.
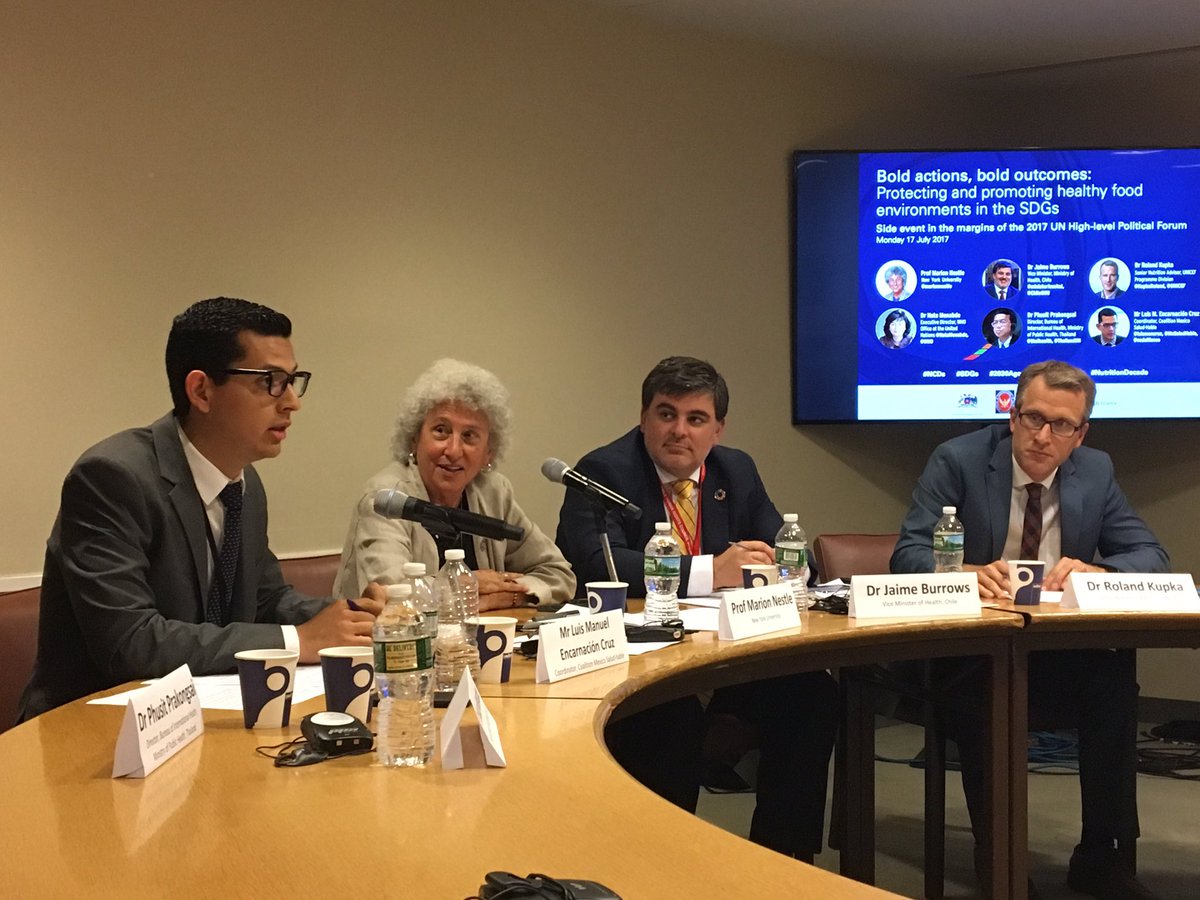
(399, 591)
(452, 555)
(413, 569)
(791, 517)
(662, 526)
(949, 510)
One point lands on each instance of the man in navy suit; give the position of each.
(1030, 490)
(670, 459)
(1000, 280)
(135, 583)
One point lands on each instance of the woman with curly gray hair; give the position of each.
(452, 427)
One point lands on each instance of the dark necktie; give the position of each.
(1031, 531)
(220, 591)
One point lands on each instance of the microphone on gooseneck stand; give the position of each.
(558, 471)
(394, 504)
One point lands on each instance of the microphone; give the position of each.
(394, 504)
(559, 471)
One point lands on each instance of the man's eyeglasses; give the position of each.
(1059, 427)
(276, 381)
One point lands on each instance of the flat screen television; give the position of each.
(923, 282)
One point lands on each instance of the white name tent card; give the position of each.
(462, 744)
(1125, 592)
(160, 720)
(581, 644)
(753, 611)
(914, 596)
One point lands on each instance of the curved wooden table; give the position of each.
(220, 820)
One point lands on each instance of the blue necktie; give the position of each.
(220, 591)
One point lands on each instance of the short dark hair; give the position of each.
(205, 337)
(1107, 311)
(893, 316)
(676, 376)
(1060, 376)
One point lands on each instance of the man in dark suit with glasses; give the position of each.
(159, 555)
(1029, 489)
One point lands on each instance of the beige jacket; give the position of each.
(376, 548)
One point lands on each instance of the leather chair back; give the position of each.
(312, 575)
(843, 555)
(18, 648)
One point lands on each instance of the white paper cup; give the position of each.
(759, 574)
(267, 678)
(349, 676)
(1025, 579)
(495, 636)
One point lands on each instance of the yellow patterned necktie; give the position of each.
(685, 505)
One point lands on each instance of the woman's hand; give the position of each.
(500, 590)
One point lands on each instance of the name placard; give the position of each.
(1122, 591)
(160, 720)
(581, 644)
(753, 611)
(914, 596)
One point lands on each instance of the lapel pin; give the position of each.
(719, 494)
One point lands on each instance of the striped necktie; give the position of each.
(220, 590)
(1031, 530)
(685, 505)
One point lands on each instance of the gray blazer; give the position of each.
(126, 575)
(974, 473)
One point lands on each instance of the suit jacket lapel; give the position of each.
(715, 515)
(173, 467)
(1070, 510)
(999, 495)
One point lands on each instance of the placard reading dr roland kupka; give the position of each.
(914, 596)
(581, 644)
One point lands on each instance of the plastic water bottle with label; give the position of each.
(661, 568)
(948, 538)
(791, 556)
(458, 602)
(403, 640)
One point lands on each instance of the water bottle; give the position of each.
(458, 603)
(791, 556)
(424, 597)
(661, 568)
(948, 542)
(404, 674)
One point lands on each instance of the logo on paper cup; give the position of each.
(491, 645)
(1027, 583)
(595, 602)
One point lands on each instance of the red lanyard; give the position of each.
(690, 541)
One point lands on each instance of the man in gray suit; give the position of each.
(159, 554)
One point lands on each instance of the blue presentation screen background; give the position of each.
(1044, 225)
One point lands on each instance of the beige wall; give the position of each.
(560, 193)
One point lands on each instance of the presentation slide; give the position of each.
(968, 266)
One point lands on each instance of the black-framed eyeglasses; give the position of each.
(276, 381)
(1059, 427)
